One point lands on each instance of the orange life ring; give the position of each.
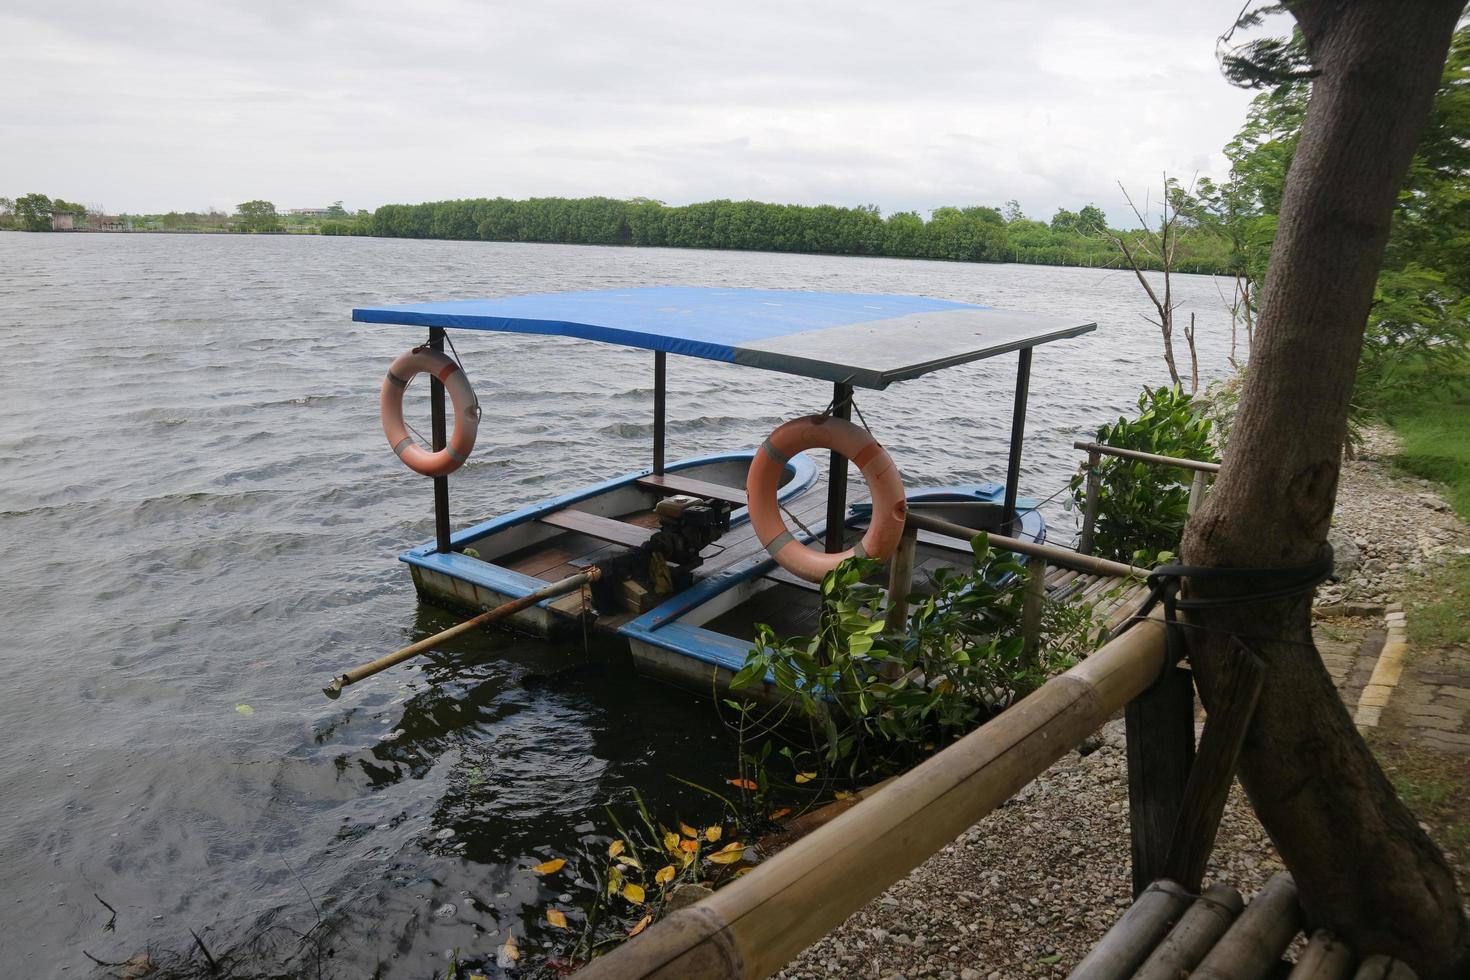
(422, 360)
(824, 432)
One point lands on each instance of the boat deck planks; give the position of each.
(608, 529)
(590, 538)
(673, 483)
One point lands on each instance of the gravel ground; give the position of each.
(1387, 528)
(1027, 891)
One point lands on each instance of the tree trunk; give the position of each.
(1365, 869)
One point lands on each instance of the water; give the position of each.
(200, 520)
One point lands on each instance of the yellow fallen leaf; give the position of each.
(744, 871)
(781, 813)
(749, 784)
(684, 858)
(712, 834)
(729, 854)
(629, 861)
(633, 893)
(689, 846)
(477, 976)
(509, 949)
(642, 924)
(550, 867)
(841, 794)
(805, 777)
(664, 875)
(687, 830)
(614, 880)
(671, 841)
(615, 848)
(557, 918)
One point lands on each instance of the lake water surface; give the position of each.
(201, 520)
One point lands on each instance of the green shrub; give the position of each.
(1143, 506)
(875, 701)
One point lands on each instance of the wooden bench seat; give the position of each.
(672, 483)
(602, 528)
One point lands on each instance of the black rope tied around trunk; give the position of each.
(1164, 582)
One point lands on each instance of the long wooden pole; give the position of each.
(1064, 557)
(1094, 497)
(1188, 464)
(562, 587)
(753, 926)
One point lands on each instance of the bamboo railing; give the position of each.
(1096, 450)
(753, 926)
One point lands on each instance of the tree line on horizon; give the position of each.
(968, 234)
(959, 234)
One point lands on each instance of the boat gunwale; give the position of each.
(662, 626)
(515, 584)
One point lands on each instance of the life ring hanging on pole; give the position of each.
(423, 360)
(890, 508)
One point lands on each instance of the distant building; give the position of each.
(63, 221)
(310, 212)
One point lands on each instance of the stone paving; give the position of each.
(1432, 700)
(1349, 649)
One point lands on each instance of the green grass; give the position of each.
(1439, 610)
(1430, 411)
(1433, 424)
(1434, 785)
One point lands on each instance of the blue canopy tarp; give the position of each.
(864, 339)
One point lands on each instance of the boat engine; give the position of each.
(686, 526)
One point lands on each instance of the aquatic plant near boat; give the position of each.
(1143, 507)
(647, 871)
(874, 700)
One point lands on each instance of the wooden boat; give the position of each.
(684, 576)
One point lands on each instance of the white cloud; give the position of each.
(170, 105)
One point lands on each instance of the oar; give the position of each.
(569, 584)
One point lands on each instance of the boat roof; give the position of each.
(865, 339)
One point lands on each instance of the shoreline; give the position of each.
(1029, 890)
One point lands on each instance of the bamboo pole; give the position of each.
(753, 926)
(1198, 487)
(1091, 501)
(1135, 935)
(1057, 556)
(562, 587)
(1380, 967)
(1253, 946)
(1198, 930)
(1325, 958)
(900, 584)
(1188, 464)
(1031, 608)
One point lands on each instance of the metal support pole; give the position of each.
(440, 436)
(1018, 433)
(837, 473)
(660, 376)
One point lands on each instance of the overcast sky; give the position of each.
(163, 105)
